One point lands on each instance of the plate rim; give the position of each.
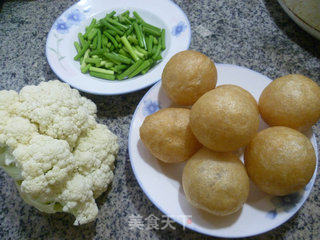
(299, 21)
(190, 227)
(178, 8)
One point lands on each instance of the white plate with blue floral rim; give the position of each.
(60, 50)
(162, 182)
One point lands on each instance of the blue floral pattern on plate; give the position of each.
(284, 203)
(75, 16)
(72, 17)
(62, 26)
(272, 214)
(178, 29)
(150, 107)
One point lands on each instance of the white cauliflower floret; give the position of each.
(44, 162)
(77, 198)
(59, 156)
(102, 155)
(7, 100)
(59, 110)
(17, 130)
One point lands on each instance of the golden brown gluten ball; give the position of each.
(215, 182)
(187, 76)
(168, 136)
(292, 101)
(225, 119)
(280, 160)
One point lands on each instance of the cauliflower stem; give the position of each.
(7, 163)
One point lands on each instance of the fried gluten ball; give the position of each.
(187, 76)
(280, 160)
(168, 136)
(225, 119)
(215, 182)
(292, 101)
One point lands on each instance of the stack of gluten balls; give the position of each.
(280, 159)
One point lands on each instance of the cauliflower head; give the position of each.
(51, 145)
